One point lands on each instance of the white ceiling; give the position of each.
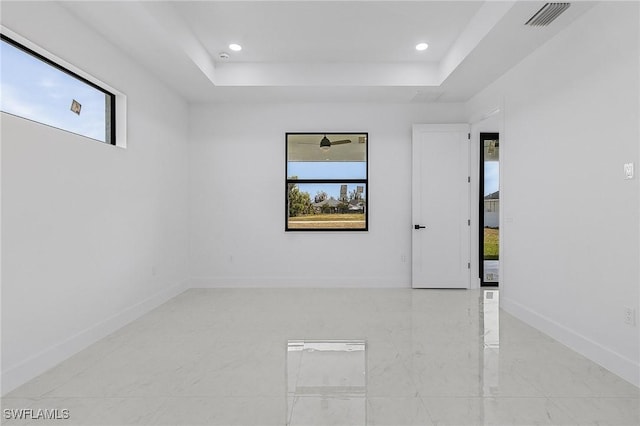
(328, 32)
(323, 51)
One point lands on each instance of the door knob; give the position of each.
(418, 227)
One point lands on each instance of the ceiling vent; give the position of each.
(547, 14)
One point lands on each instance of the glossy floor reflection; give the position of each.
(228, 357)
(326, 382)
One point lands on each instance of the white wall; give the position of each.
(92, 235)
(570, 122)
(237, 160)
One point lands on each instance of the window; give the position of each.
(38, 89)
(326, 182)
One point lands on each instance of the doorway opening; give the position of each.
(489, 209)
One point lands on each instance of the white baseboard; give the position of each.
(300, 282)
(17, 375)
(612, 361)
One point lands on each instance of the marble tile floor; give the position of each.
(421, 357)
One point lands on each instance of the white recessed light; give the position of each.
(235, 47)
(422, 46)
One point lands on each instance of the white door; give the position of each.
(441, 191)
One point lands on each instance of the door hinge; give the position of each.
(469, 179)
(469, 222)
(469, 265)
(469, 136)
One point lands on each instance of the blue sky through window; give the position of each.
(326, 170)
(491, 177)
(35, 90)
